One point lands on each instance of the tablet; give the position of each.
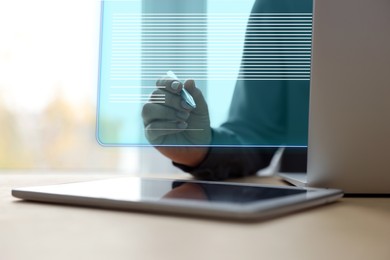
(239, 201)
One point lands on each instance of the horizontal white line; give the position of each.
(207, 62)
(202, 67)
(217, 41)
(145, 14)
(223, 23)
(139, 102)
(210, 27)
(234, 64)
(229, 50)
(252, 19)
(244, 24)
(201, 40)
(209, 13)
(219, 59)
(215, 38)
(213, 31)
(224, 34)
(214, 75)
(267, 46)
(211, 77)
(210, 21)
(226, 76)
(137, 95)
(210, 40)
(209, 30)
(210, 56)
(192, 70)
(218, 32)
(209, 17)
(172, 129)
(205, 53)
(185, 52)
(209, 74)
(137, 87)
(264, 77)
(135, 98)
(144, 97)
(214, 68)
(227, 79)
(212, 15)
(217, 71)
(205, 47)
(240, 44)
(211, 49)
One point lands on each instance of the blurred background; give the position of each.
(48, 87)
(48, 90)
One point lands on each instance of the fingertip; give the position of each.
(160, 82)
(183, 114)
(170, 84)
(176, 86)
(182, 125)
(190, 85)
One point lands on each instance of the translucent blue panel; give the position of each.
(250, 59)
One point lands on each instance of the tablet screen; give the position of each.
(140, 189)
(227, 193)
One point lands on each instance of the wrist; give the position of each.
(188, 156)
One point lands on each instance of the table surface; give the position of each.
(352, 228)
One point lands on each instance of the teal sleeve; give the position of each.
(271, 113)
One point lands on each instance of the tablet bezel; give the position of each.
(250, 211)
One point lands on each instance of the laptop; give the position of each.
(349, 120)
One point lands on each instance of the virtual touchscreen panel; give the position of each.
(178, 72)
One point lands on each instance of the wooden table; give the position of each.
(353, 228)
